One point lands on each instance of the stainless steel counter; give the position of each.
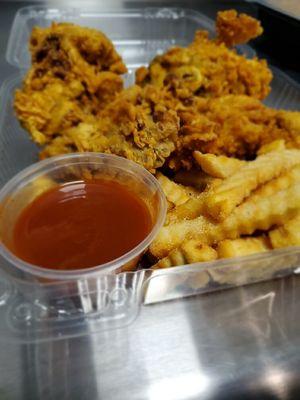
(236, 344)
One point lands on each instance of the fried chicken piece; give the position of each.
(132, 126)
(67, 51)
(236, 126)
(45, 113)
(233, 28)
(75, 71)
(206, 68)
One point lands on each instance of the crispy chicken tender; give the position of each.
(233, 28)
(233, 125)
(75, 71)
(206, 68)
(131, 126)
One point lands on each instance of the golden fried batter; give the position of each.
(67, 51)
(233, 28)
(203, 97)
(75, 71)
(131, 126)
(236, 126)
(206, 68)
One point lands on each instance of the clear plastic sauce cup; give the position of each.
(44, 175)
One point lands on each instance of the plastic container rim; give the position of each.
(11, 57)
(37, 169)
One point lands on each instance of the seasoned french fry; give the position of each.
(284, 181)
(174, 258)
(189, 210)
(198, 179)
(222, 199)
(276, 145)
(288, 234)
(173, 235)
(218, 166)
(194, 207)
(261, 212)
(173, 192)
(258, 212)
(195, 252)
(190, 252)
(242, 246)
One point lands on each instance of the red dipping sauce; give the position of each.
(80, 225)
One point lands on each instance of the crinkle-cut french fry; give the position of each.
(173, 235)
(173, 192)
(258, 212)
(242, 247)
(282, 182)
(189, 210)
(173, 259)
(196, 252)
(288, 234)
(195, 178)
(218, 166)
(190, 252)
(193, 208)
(222, 199)
(261, 212)
(276, 145)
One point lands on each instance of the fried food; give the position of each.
(234, 126)
(287, 234)
(232, 191)
(66, 51)
(75, 71)
(174, 193)
(131, 126)
(233, 28)
(230, 166)
(261, 214)
(242, 247)
(194, 177)
(190, 252)
(207, 68)
(276, 145)
(218, 166)
(194, 206)
(267, 195)
(173, 235)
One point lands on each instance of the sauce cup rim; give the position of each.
(37, 169)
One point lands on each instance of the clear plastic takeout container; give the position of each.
(35, 311)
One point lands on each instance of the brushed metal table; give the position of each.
(240, 343)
